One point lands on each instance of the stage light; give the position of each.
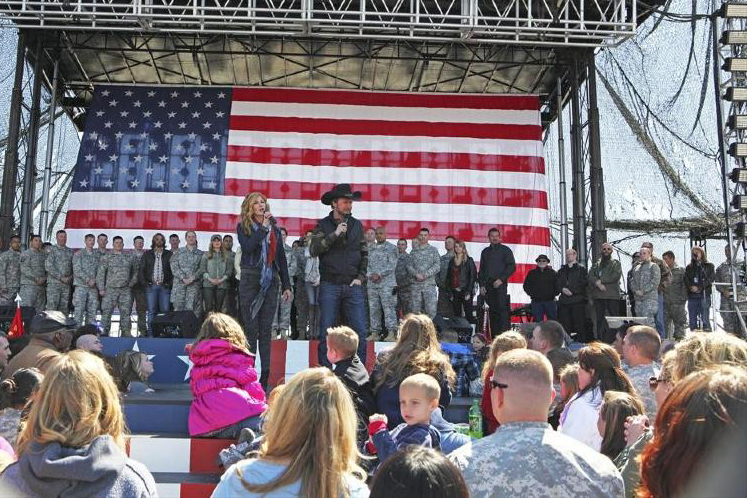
(738, 121)
(739, 202)
(735, 10)
(736, 94)
(734, 38)
(739, 229)
(735, 64)
(738, 150)
(738, 175)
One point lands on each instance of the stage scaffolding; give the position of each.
(541, 47)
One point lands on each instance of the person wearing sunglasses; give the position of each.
(497, 465)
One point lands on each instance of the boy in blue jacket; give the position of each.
(418, 398)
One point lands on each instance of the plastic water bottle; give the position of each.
(475, 420)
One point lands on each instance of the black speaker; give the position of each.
(176, 324)
(459, 324)
(8, 312)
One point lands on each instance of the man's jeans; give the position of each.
(542, 309)
(660, 318)
(350, 298)
(158, 302)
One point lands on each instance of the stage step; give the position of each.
(183, 467)
(166, 410)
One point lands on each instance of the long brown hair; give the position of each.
(224, 327)
(416, 351)
(465, 254)
(502, 343)
(246, 209)
(222, 251)
(311, 423)
(608, 373)
(616, 407)
(696, 415)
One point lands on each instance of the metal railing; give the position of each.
(588, 23)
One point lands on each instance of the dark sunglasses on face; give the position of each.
(497, 385)
(653, 382)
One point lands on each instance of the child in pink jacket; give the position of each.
(227, 395)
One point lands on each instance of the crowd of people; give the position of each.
(622, 420)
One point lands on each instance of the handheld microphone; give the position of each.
(273, 221)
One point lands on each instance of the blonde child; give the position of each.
(418, 398)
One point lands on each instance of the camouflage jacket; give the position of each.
(645, 278)
(10, 270)
(443, 270)
(426, 260)
(116, 270)
(186, 264)
(531, 459)
(382, 260)
(403, 278)
(290, 256)
(85, 266)
(32, 266)
(676, 291)
(59, 264)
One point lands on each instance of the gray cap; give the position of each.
(51, 321)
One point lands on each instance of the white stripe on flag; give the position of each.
(150, 451)
(295, 208)
(384, 113)
(523, 253)
(387, 175)
(384, 143)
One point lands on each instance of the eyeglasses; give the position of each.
(653, 382)
(497, 385)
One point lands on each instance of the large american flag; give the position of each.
(171, 159)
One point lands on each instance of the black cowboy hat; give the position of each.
(341, 190)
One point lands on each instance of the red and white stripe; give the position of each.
(457, 164)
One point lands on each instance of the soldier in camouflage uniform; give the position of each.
(138, 290)
(186, 294)
(726, 307)
(304, 328)
(229, 304)
(525, 457)
(675, 298)
(644, 283)
(281, 322)
(115, 277)
(641, 347)
(382, 262)
(33, 275)
(10, 272)
(86, 295)
(444, 306)
(403, 278)
(59, 266)
(423, 267)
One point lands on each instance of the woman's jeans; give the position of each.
(259, 328)
(213, 298)
(233, 430)
(699, 307)
(158, 298)
(312, 292)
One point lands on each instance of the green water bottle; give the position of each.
(475, 420)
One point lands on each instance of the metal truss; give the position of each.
(586, 23)
(731, 133)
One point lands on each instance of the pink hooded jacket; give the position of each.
(225, 387)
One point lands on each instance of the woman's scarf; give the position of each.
(267, 259)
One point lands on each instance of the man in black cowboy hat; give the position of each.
(343, 258)
(541, 285)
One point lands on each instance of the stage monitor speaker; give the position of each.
(458, 324)
(175, 324)
(8, 312)
(615, 322)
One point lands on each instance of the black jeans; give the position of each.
(461, 306)
(497, 299)
(573, 318)
(258, 329)
(213, 297)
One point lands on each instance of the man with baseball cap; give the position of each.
(51, 333)
(343, 261)
(541, 285)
